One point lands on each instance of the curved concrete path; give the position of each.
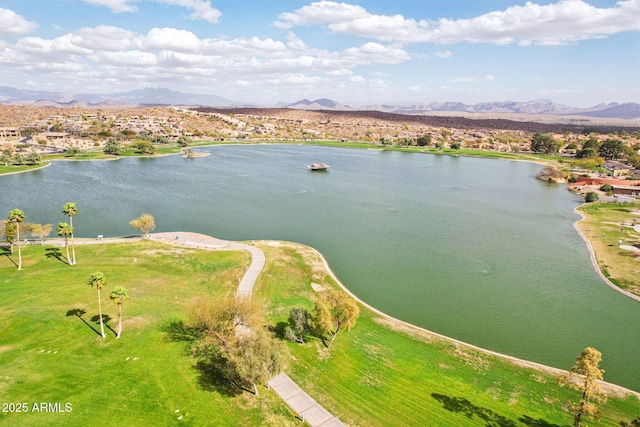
(202, 241)
(308, 409)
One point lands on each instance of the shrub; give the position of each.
(606, 187)
(591, 197)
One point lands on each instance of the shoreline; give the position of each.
(609, 387)
(517, 361)
(594, 260)
(28, 170)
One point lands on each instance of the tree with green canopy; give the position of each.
(233, 343)
(33, 159)
(611, 149)
(333, 311)
(591, 197)
(71, 210)
(119, 296)
(114, 147)
(8, 229)
(584, 377)
(255, 358)
(98, 280)
(544, 143)
(298, 324)
(146, 223)
(16, 216)
(65, 230)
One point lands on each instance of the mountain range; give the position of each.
(163, 96)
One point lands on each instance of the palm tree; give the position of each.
(16, 216)
(71, 210)
(65, 230)
(119, 296)
(99, 281)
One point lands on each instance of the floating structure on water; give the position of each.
(318, 166)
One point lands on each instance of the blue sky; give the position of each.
(575, 52)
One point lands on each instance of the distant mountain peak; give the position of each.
(318, 104)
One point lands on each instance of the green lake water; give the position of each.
(475, 249)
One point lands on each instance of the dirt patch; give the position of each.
(477, 360)
(134, 323)
(176, 251)
(311, 258)
(323, 352)
(398, 326)
(318, 288)
(4, 348)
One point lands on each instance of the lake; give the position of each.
(475, 249)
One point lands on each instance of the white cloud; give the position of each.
(60, 46)
(321, 12)
(444, 54)
(170, 39)
(128, 58)
(557, 23)
(12, 24)
(117, 6)
(103, 37)
(487, 78)
(294, 42)
(201, 9)
(415, 89)
(169, 55)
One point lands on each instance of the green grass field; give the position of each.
(607, 224)
(374, 375)
(380, 374)
(24, 168)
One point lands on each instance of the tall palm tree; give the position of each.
(99, 281)
(71, 210)
(16, 216)
(65, 230)
(119, 296)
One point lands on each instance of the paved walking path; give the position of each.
(302, 403)
(202, 241)
(308, 409)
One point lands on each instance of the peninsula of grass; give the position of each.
(606, 225)
(5, 170)
(380, 373)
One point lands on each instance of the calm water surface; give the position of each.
(475, 249)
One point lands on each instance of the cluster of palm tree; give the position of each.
(66, 230)
(17, 217)
(118, 296)
(97, 280)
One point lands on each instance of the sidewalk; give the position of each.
(308, 409)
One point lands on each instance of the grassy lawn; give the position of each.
(48, 353)
(13, 169)
(605, 225)
(380, 373)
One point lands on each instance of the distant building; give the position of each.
(9, 133)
